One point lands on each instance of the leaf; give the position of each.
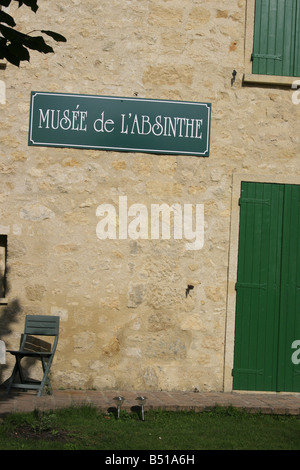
(30, 3)
(11, 58)
(57, 37)
(5, 18)
(2, 48)
(14, 45)
(37, 43)
(5, 3)
(11, 34)
(19, 51)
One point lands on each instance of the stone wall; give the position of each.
(128, 318)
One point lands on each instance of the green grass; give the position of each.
(84, 428)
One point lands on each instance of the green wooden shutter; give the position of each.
(297, 43)
(268, 288)
(276, 37)
(257, 295)
(289, 323)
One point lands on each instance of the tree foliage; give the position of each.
(14, 45)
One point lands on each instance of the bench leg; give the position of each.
(17, 369)
(46, 368)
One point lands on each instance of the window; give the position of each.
(3, 253)
(273, 41)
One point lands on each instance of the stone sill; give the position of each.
(3, 301)
(269, 79)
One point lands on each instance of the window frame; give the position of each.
(250, 77)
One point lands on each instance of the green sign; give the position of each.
(119, 124)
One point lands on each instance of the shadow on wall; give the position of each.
(8, 316)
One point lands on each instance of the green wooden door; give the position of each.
(268, 294)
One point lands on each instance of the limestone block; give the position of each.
(2, 92)
(159, 321)
(2, 352)
(68, 378)
(104, 381)
(119, 165)
(173, 41)
(136, 295)
(192, 323)
(112, 348)
(168, 189)
(165, 346)
(84, 341)
(36, 212)
(35, 292)
(150, 378)
(61, 312)
(198, 16)
(160, 16)
(168, 75)
(215, 293)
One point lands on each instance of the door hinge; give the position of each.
(266, 56)
(248, 371)
(251, 285)
(249, 200)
